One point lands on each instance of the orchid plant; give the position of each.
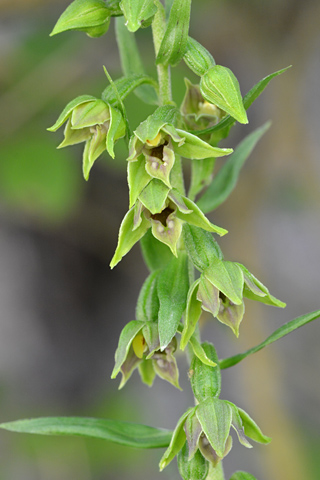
(188, 271)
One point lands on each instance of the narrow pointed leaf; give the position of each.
(279, 333)
(215, 417)
(251, 429)
(173, 288)
(227, 277)
(197, 57)
(201, 246)
(155, 254)
(220, 87)
(124, 433)
(248, 100)
(197, 149)
(177, 441)
(226, 179)
(205, 379)
(242, 476)
(174, 42)
(138, 13)
(126, 337)
(128, 237)
(131, 61)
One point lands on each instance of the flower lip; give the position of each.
(163, 216)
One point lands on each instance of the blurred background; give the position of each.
(62, 309)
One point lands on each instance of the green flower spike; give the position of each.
(198, 113)
(93, 121)
(139, 347)
(164, 211)
(154, 146)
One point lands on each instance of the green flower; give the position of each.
(94, 122)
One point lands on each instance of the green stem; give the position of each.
(216, 473)
(164, 77)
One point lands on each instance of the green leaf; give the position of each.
(201, 246)
(251, 429)
(226, 179)
(138, 178)
(215, 417)
(174, 42)
(126, 337)
(90, 16)
(128, 237)
(205, 379)
(173, 288)
(125, 86)
(177, 441)
(156, 254)
(131, 61)
(279, 333)
(248, 100)
(196, 468)
(193, 313)
(154, 196)
(220, 87)
(67, 111)
(198, 219)
(148, 303)
(242, 476)
(197, 57)
(197, 149)
(138, 13)
(129, 434)
(227, 277)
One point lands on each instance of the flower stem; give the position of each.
(216, 473)
(164, 77)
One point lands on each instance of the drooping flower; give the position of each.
(94, 122)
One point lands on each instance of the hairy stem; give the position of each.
(164, 77)
(216, 473)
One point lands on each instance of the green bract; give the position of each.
(94, 122)
(89, 16)
(138, 13)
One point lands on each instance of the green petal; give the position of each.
(154, 196)
(146, 371)
(126, 337)
(68, 110)
(193, 313)
(89, 114)
(138, 178)
(116, 130)
(227, 277)
(73, 137)
(208, 295)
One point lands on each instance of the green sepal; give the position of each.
(215, 417)
(276, 335)
(220, 87)
(117, 129)
(173, 288)
(125, 86)
(89, 16)
(242, 476)
(198, 219)
(230, 314)
(151, 334)
(166, 367)
(208, 295)
(177, 441)
(127, 236)
(201, 176)
(193, 313)
(238, 426)
(149, 128)
(251, 429)
(148, 303)
(196, 468)
(138, 179)
(131, 61)
(138, 13)
(155, 253)
(255, 290)
(126, 337)
(89, 114)
(123, 433)
(197, 57)
(154, 196)
(67, 111)
(227, 277)
(193, 431)
(201, 246)
(205, 380)
(93, 148)
(226, 179)
(146, 372)
(174, 42)
(197, 149)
